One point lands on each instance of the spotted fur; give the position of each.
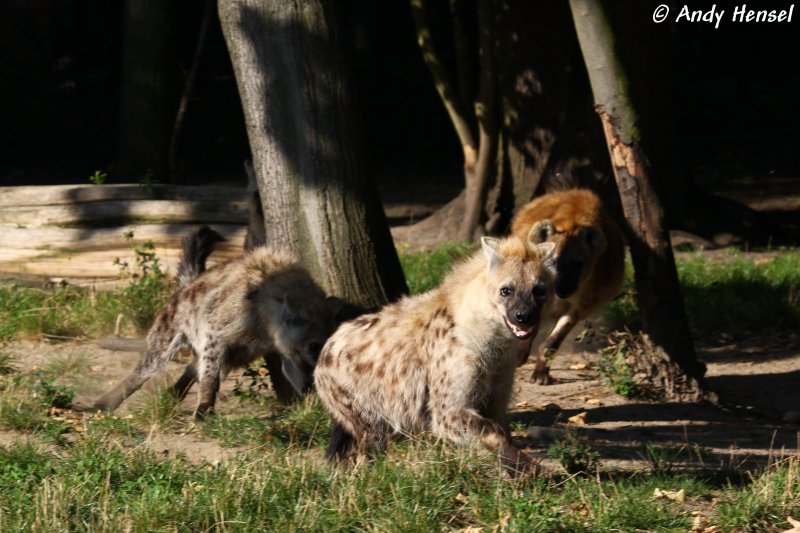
(440, 362)
(261, 304)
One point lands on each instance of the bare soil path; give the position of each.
(759, 378)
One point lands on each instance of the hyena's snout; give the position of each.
(522, 319)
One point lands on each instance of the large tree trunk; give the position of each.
(148, 96)
(689, 206)
(306, 146)
(658, 289)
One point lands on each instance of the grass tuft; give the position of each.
(9, 363)
(425, 270)
(738, 294)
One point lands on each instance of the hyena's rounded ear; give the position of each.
(489, 246)
(541, 231)
(594, 238)
(547, 249)
(296, 377)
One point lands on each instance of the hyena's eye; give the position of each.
(539, 291)
(505, 292)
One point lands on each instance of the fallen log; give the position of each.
(75, 232)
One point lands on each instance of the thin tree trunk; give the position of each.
(463, 52)
(520, 97)
(658, 289)
(175, 170)
(147, 97)
(486, 113)
(446, 88)
(306, 146)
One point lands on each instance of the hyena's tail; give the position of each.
(196, 249)
(341, 444)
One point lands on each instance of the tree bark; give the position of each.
(175, 167)
(526, 96)
(148, 94)
(689, 206)
(447, 89)
(306, 146)
(658, 289)
(477, 190)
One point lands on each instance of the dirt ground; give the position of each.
(759, 379)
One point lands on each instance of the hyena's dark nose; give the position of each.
(523, 317)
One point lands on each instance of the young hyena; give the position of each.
(442, 361)
(259, 304)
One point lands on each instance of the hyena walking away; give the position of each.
(261, 303)
(442, 361)
(589, 262)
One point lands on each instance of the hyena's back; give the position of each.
(358, 373)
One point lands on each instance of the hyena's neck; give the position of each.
(474, 315)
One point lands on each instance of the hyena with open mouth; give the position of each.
(261, 303)
(442, 361)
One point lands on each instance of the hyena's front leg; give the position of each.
(160, 350)
(500, 394)
(283, 389)
(548, 348)
(465, 425)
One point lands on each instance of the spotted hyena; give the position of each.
(442, 361)
(260, 304)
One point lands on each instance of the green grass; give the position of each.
(96, 473)
(305, 424)
(424, 270)
(71, 312)
(97, 485)
(734, 294)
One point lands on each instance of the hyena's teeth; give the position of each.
(518, 331)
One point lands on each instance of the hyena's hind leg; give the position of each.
(160, 350)
(210, 359)
(359, 440)
(355, 432)
(235, 356)
(185, 382)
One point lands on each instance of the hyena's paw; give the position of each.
(203, 411)
(80, 407)
(519, 465)
(541, 374)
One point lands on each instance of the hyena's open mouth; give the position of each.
(521, 332)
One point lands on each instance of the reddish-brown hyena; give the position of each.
(589, 262)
